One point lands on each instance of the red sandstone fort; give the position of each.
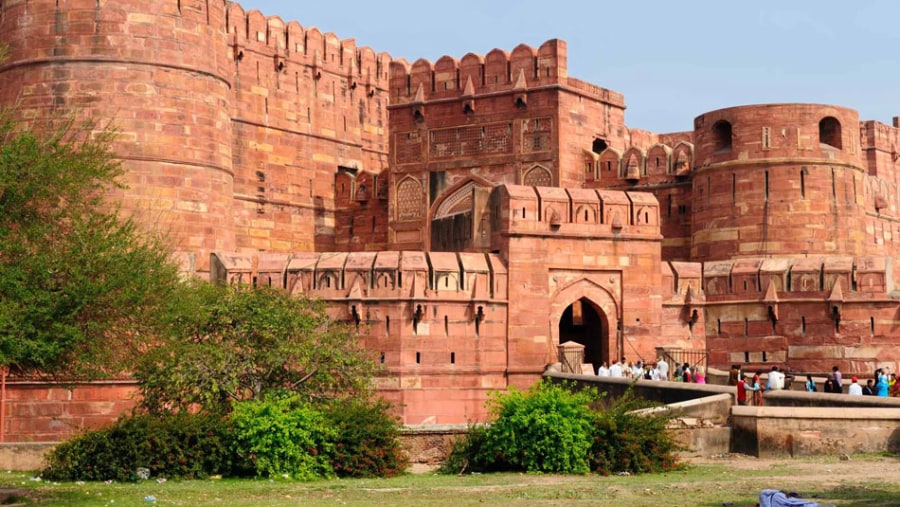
(469, 215)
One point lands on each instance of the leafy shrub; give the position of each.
(550, 429)
(283, 436)
(175, 446)
(368, 439)
(546, 429)
(625, 441)
(463, 455)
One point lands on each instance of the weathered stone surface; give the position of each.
(469, 215)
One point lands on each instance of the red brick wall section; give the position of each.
(126, 63)
(777, 188)
(46, 412)
(303, 104)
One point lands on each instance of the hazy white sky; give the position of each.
(672, 60)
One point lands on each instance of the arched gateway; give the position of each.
(586, 313)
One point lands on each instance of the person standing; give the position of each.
(757, 389)
(734, 376)
(838, 379)
(663, 368)
(881, 385)
(616, 370)
(775, 380)
(855, 389)
(810, 384)
(742, 391)
(603, 370)
(869, 388)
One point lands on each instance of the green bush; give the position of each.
(551, 429)
(368, 439)
(625, 441)
(174, 446)
(463, 455)
(283, 436)
(546, 429)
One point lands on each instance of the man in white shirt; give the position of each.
(616, 370)
(855, 389)
(663, 368)
(603, 370)
(776, 380)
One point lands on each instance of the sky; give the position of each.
(672, 60)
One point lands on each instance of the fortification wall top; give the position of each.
(364, 275)
(808, 132)
(497, 71)
(291, 43)
(859, 278)
(552, 210)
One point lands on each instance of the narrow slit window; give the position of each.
(733, 188)
(803, 173)
(453, 358)
(418, 358)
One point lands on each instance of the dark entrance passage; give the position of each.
(582, 322)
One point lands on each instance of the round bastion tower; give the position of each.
(777, 180)
(159, 73)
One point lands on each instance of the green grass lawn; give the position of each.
(870, 480)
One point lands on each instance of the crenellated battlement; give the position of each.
(368, 275)
(836, 277)
(498, 71)
(553, 210)
(290, 44)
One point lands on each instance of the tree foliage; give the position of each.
(80, 285)
(242, 343)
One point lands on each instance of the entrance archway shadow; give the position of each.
(586, 313)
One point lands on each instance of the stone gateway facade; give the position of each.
(470, 215)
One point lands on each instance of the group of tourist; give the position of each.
(658, 370)
(749, 389)
(881, 384)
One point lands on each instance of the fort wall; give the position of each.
(125, 63)
(304, 104)
(493, 119)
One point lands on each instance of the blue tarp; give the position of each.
(775, 498)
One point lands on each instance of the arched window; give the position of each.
(830, 132)
(721, 136)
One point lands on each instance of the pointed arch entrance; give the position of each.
(588, 313)
(584, 323)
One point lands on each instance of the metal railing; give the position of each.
(676, 356)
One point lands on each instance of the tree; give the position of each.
(82, 288)
(241, 343)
